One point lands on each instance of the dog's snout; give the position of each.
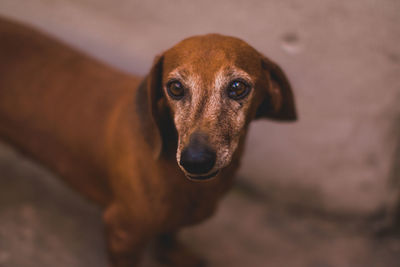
(198, 158)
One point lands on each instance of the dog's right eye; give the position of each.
(175, 89)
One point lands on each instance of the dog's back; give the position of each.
(55, 103)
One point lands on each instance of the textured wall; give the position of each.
(343, 59)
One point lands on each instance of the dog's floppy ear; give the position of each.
(148, 95)
(279, 102)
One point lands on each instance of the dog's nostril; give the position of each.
(197, 159)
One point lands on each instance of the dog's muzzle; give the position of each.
(198, 159)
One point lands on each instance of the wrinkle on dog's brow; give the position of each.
(182, 74)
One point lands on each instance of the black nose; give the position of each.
(197, 157)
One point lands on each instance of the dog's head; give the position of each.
(214, 86)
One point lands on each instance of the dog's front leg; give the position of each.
(171, 252)
(126, 239)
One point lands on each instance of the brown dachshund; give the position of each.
(157, 153)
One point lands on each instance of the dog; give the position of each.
(157, 153)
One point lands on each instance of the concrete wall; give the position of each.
(343, 58)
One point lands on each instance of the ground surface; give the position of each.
(44, 223)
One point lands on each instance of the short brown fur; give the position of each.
(114, 137)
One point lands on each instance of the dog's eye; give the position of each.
(175, 89)
(238, 90)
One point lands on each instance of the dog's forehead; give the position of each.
(210, 53)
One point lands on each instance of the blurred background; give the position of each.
(321, 192)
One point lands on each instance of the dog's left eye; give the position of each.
(238, 90)
(175, 89)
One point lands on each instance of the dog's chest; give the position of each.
(193, 202)
(189, 208)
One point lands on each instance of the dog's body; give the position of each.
(117, 139)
